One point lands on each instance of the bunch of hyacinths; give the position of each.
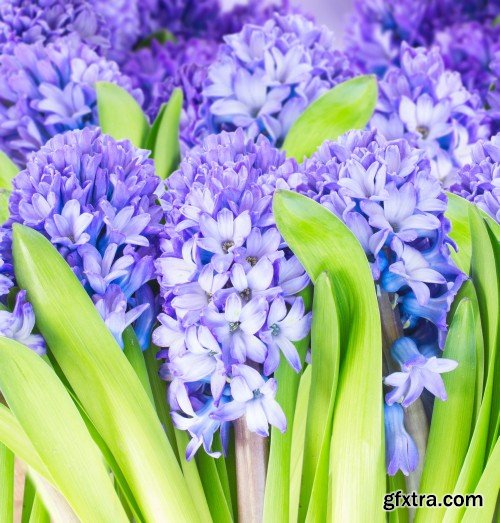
(265, 76)
(95, 199)
(110, 28)
(465, 32)
(229, 289)
(385, 193)
(429, 106)
(47, 90)
(479, 181)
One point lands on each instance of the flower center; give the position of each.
(212, 353)
(246, 294)
(257, 394)
(234, 326)
(252, 260)
(423, 130)
(275, 330)
(227, 245)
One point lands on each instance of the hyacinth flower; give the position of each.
(429, 106)
(465, 33)
(479, 181)
(94, 198)
(265, 76)
(50, 89)
(385, 193)
(182, 60)
(228, 286)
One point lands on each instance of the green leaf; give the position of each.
(276, 499)
(39, 513)
(28, 498)
(347, 106)
(6, 484)
(458, 213)
(451, 420)
(298, 441)
(325, 353)
(50, 419)
(102, 378)
(8, 170)
(488, 488)
(120, 115)
(395, 483)
(324, 244)
(163, 138)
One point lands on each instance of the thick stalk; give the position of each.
(415, 420)
(251, 459)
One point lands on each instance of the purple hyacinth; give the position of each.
(95, 199)
(401, 453)
(428, 105)
(45, 21)
(18, 324)
(47, 90)
(464, 31)
(265, 76)
(479, 181)
(385, 193)
(418, 371)
(229, 287)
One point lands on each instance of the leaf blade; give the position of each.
(347, 106)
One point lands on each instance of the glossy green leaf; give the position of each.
(452, 419)
(347, 106)
(13, 436)
(102, 379)
(298, 442)
(120, 115)
(488, 487)
(6, 484)
(39, 513)
(324, 244)
(276, 500)
(52, 422)
(163, 138)
(325, 353)
(458, 214)
(133, 352)
(28, 498)
(8, 170)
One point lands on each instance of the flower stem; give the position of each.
(416, 421)
(251, 463)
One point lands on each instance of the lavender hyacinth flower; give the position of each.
(47, 90)
(479, 181)
(417, 372)
(429, 106)
(94, 198)
(401, 453)
(464, 31)
(18, 324)
(229, 286)
(265, 76)
(385, 193)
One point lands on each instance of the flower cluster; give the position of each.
(47, 90)
(385, 193)
(95, 199)
(479, 181)
(464, 31)
(429, 106)
(265, 76)
(228, 285)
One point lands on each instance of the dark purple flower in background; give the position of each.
(95, 199)
(479, 181)
(385, 193)
(265, 76)
(228, 285)
(464, 31)
(47, 90)
(423, 102)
